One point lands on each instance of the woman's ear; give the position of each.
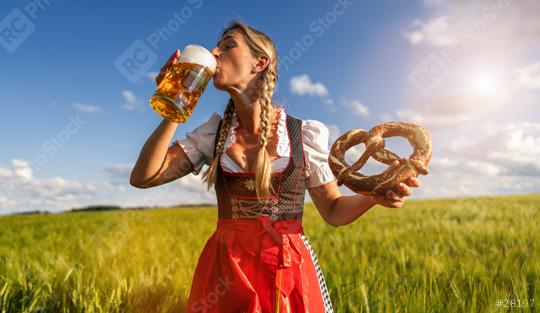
(260, 64)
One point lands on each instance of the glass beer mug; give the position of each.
(183, 84)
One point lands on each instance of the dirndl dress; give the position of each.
(258, 260)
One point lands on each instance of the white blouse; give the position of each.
(199, 147)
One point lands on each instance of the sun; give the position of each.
(483, 82)
(482, 85)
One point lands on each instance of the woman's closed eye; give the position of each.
(228, 45)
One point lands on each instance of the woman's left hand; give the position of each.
(397, 199)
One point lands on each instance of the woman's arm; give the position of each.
(338, 210)
(158, 163)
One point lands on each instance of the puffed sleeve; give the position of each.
(199, 143)
(315, 136)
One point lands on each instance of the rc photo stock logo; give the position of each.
(430, 74)
(14, 29)
(141, 55)
(17, 26)
(433, 70)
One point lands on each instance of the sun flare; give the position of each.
(484, 83)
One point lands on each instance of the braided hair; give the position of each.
(260, 45)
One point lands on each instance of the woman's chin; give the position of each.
(219, 85)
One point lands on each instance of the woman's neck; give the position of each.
(248, 112)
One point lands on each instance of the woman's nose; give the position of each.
(215, 52)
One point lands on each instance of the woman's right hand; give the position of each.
(165, 68)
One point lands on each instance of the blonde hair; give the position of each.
(260, 45)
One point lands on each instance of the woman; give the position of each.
(261, 160)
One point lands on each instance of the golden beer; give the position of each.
(182, 86)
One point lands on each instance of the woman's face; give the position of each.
(235, 62)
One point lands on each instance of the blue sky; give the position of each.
(73, 120)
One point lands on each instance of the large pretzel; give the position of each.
(379, 184)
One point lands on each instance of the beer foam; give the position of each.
(198, 55)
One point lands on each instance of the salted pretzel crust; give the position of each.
(416, 163)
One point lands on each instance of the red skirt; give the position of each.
(258, 266)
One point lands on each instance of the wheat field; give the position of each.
(450, 255)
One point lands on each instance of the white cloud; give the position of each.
(152, 75)
(24, 188)
(333, 133)
(433, 3)
(482, 168)
(436, 31)
(443, 164)
(4, 172)
(357, 107)
(132, 103)
(87, 108)
(528, 76)
(129, 96)
(476, 46)
(329, 104)
(456, 108)
(430, 120)
(486, 23)
(302, 85)
(496, 160)
(4, 200)
(414, 37)
(120, 171)
(54, 194)
(463, 184)
(22, 169)
(386, 117)
(488, 159)
(513, 148)
(195, 184)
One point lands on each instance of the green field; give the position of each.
(455, 255)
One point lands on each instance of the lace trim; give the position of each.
(283, 148)
(231, 137)
(283, 139)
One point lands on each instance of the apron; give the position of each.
(258, 259)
